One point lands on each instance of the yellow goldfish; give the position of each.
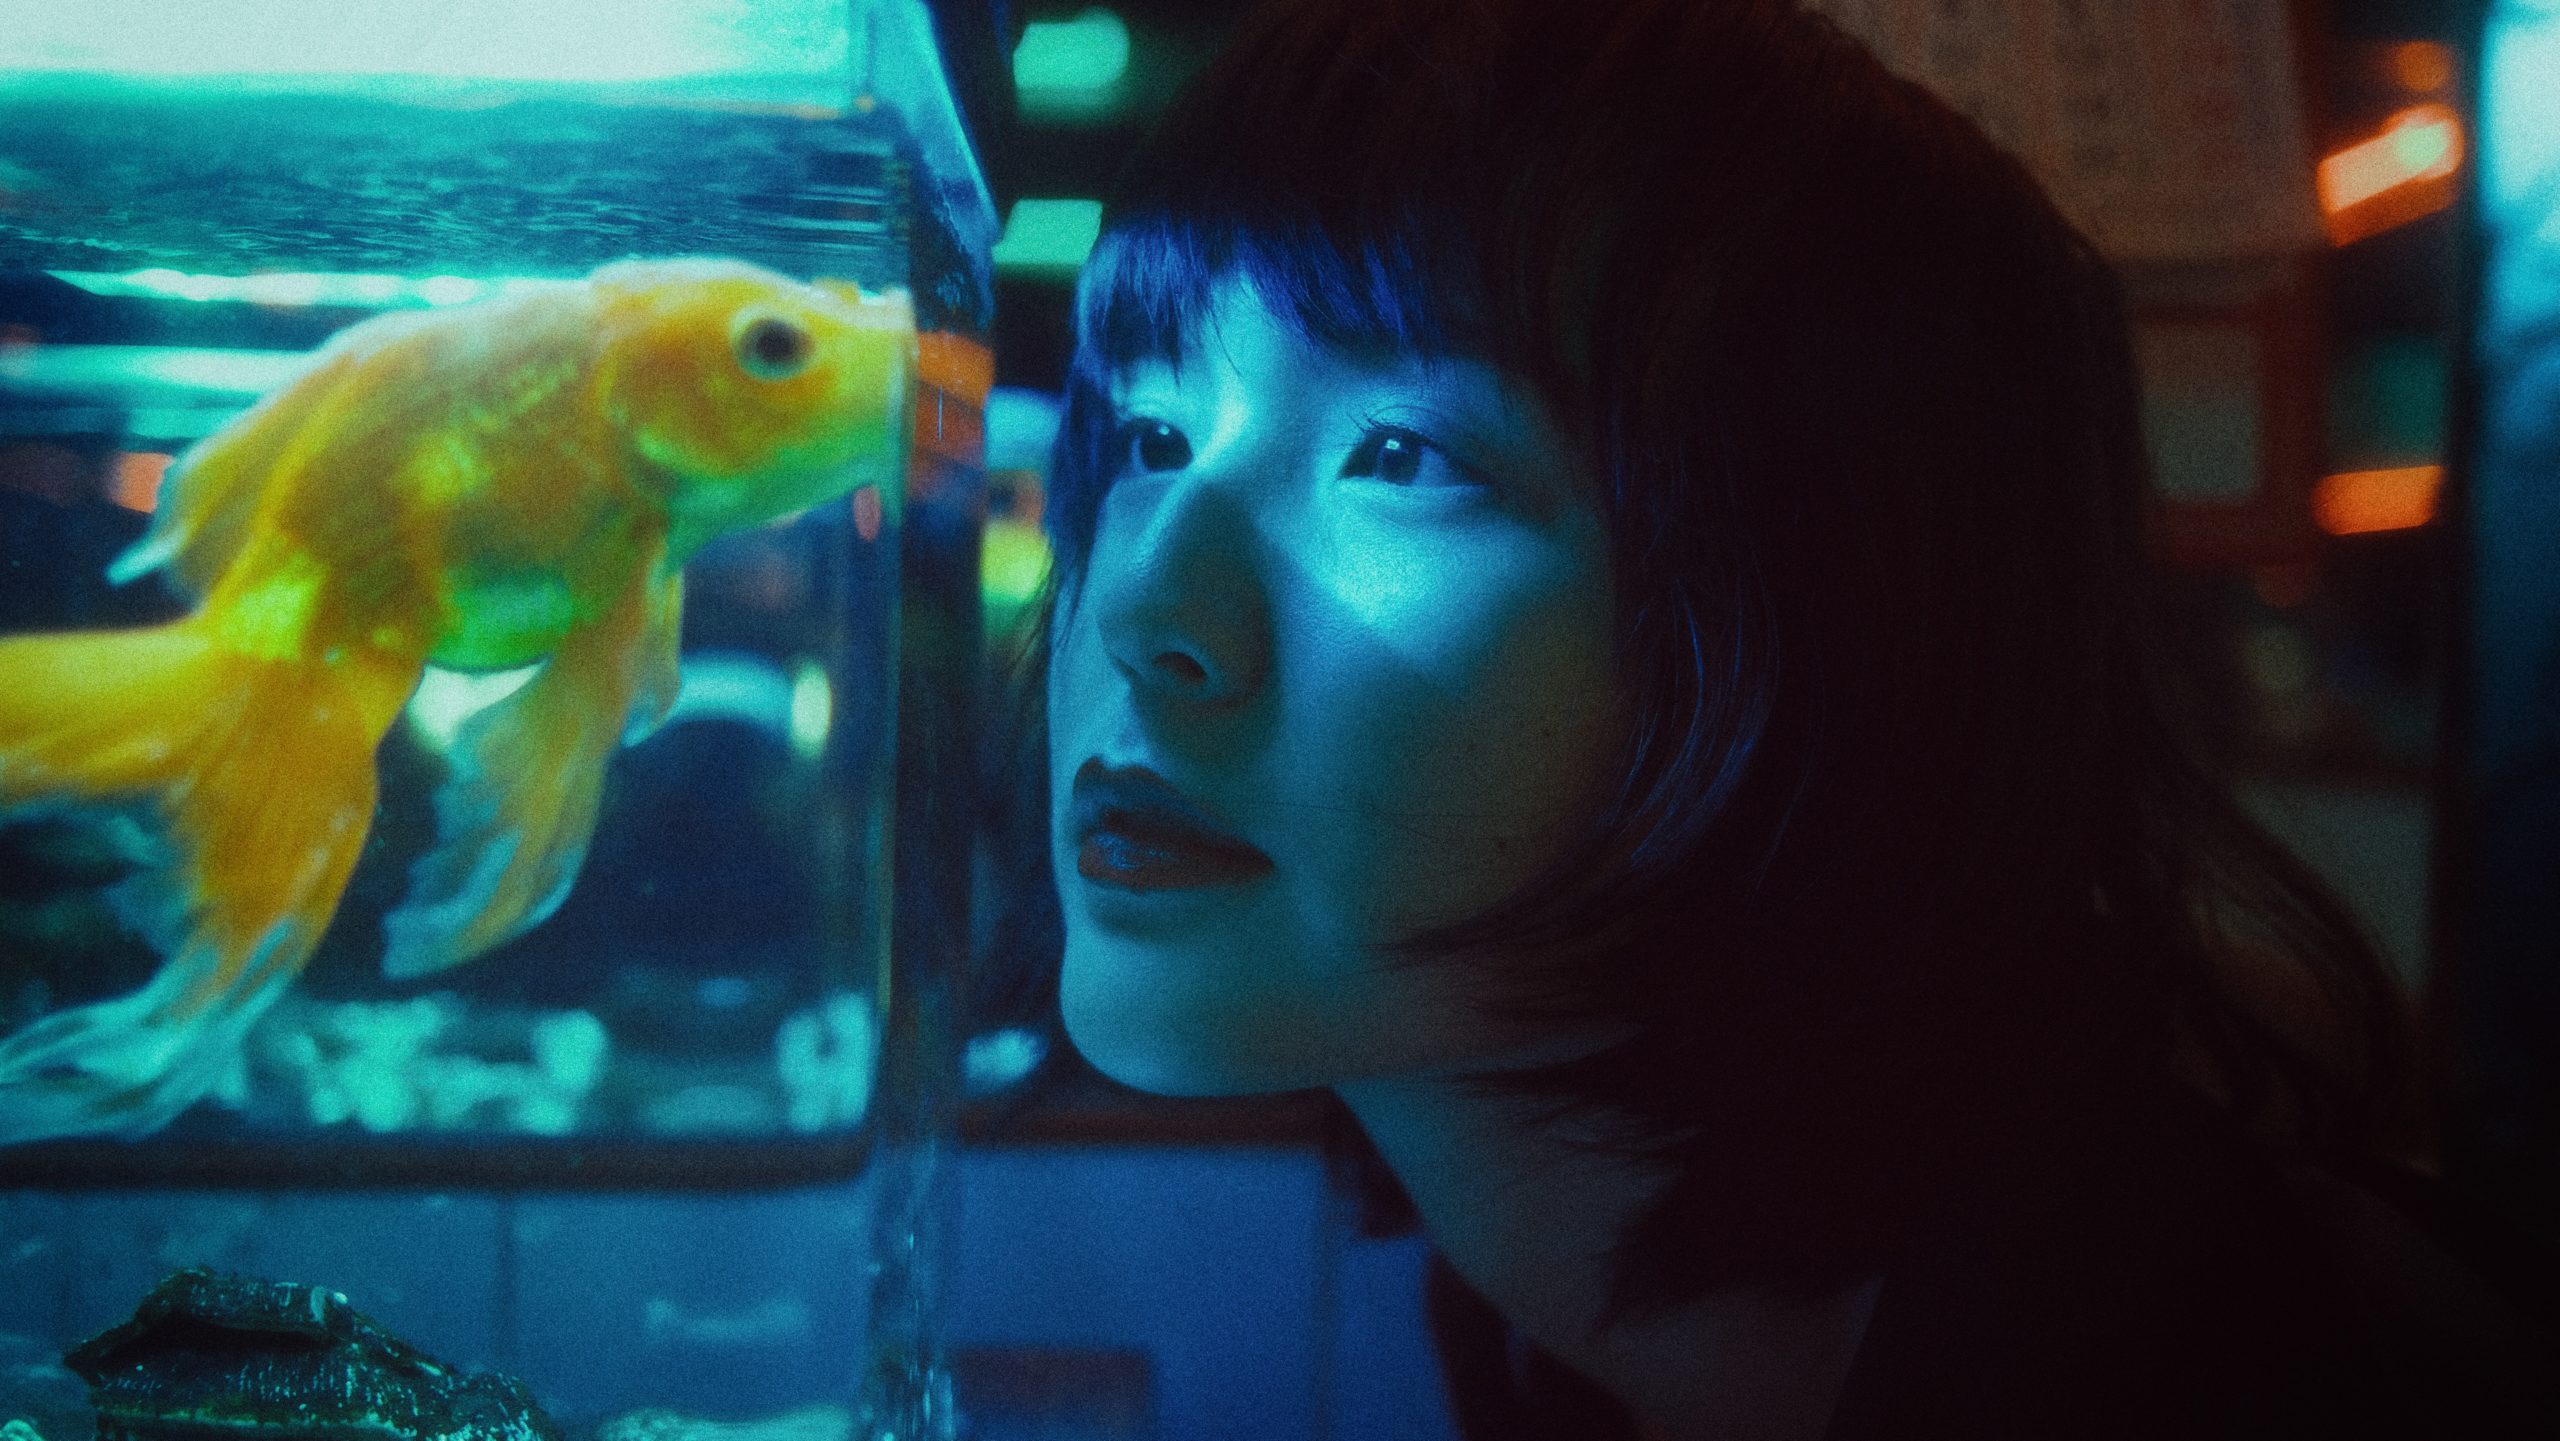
(487, 487)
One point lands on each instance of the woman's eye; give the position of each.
(1153, 446)
(1402, 457)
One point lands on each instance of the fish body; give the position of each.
(486, 487)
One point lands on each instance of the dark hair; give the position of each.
(1907, 857)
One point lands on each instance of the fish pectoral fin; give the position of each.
(518, 804)
(661, 650)
(512, 821)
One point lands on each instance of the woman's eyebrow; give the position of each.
(1146, 374)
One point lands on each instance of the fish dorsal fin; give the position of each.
(209, 505)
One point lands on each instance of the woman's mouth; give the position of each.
(1139, 854)
(1136, 832)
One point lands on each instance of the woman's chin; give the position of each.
(1141, 1043)
(1160, 1075)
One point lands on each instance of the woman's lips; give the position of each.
(1129, 853)
(1136, 832)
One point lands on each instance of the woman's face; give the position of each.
(1340, 669)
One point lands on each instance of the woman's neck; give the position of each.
(1529, 1219)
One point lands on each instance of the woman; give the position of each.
(1599, 618)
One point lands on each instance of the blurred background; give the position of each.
(2291, 193)
(2338, 222)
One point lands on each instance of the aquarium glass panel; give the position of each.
(448, 686)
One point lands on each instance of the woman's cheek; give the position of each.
(1478, 785)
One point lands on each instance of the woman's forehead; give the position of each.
(1149, 283)
(1237, 332)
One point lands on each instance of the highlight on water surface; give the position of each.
(300, 288)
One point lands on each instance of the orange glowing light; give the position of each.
(2425, 66)
(2354, 502)
(2394, 177)
(953, 375)
(958, 364)
(135, 483)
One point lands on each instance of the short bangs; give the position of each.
(1151, 279)
(1349, 185)
(1149, 283)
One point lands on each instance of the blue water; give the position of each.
(711, 976)
(103, 176)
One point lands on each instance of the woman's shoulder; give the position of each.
(2162, 1274)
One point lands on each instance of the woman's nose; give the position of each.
(1178, 595)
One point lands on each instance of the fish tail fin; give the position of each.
(125, 1066)
(261, 772)
(87, 715)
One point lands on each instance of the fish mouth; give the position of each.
(1135, 831)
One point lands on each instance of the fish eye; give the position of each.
(772, 348)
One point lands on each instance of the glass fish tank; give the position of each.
(489, 513)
